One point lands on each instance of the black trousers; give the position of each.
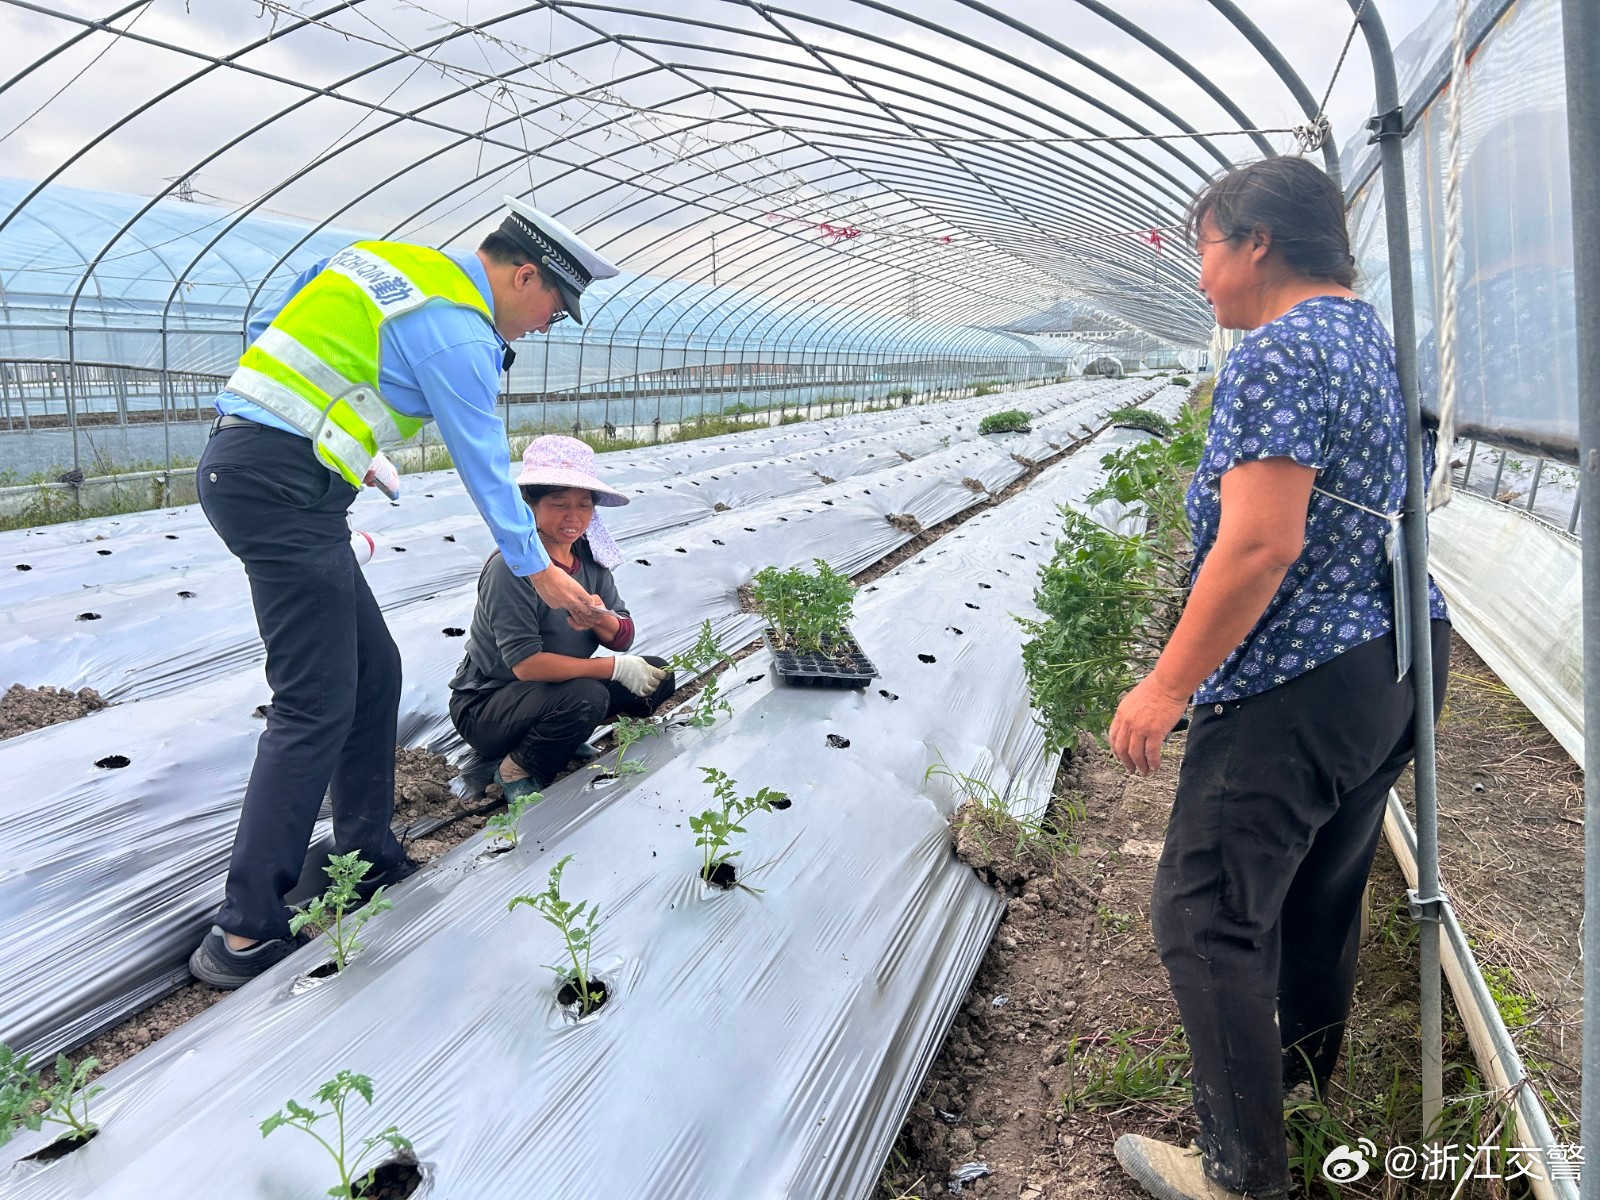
(1257, 904)
(540, 724)
(332, 666)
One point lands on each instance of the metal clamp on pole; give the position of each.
(1389, 124)
(1424, 910)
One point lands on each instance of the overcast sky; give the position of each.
(83, 94)
(612, 170)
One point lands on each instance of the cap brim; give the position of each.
(569, 298)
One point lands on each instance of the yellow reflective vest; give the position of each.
(316, 365)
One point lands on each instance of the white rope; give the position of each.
(1439, 490)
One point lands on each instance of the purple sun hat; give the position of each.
(557, 461)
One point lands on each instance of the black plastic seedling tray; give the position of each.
(844, 667)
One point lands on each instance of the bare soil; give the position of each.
(24, 709)
(1511, 858)
(1069, 1036)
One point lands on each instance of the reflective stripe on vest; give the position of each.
(316, 366)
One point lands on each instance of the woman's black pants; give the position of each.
(1257, 903)
(540, 724)
(332, 666)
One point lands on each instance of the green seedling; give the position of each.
(1011, 420)
(504, 824)
(26, 1102)
(336, 1094)
(715, 827)
(698, 659)
(627, 732)
(576, 923)
(338, 911)
(807, 613)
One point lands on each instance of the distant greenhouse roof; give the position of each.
(133, 263)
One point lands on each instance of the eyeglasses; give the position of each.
(559, 316)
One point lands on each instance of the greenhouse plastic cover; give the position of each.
(757, 1044)
(1515, 593)
(1517, 359)
(112, 873)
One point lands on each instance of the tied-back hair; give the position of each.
(1291, 200)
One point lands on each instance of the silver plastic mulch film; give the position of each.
(757, 1044)
(113, 871)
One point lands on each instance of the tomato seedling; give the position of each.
(504, 824)
(700, 658)
(336, 912)
(626, 732)
(335, 1094)
(715, 827)
(26, 1102)
(576, 924)
(807, 613)
(1010, 420)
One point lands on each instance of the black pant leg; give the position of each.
(362, 788)
(1261, 780)
(538, 724)
(1321, 923)
(283, 515)
(1229, 855)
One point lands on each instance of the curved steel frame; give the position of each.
(986, 198)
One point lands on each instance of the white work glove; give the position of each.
(638, 676)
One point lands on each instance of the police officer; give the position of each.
(362, 350)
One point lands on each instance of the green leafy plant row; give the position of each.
(1010, 420)
(1141, 418)
(1109, 601)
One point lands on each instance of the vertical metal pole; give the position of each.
(1580, 26)
(1388, 127)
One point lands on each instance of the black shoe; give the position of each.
(585, 753)
(214, 963)
(404, 869)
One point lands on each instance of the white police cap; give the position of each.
(572, 264)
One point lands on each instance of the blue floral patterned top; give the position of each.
(1317, 385)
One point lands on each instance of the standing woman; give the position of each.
(1287, 646)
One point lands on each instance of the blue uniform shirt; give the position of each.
(1317, 385)
(442, 362)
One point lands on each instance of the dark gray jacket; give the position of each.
(511, 623)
